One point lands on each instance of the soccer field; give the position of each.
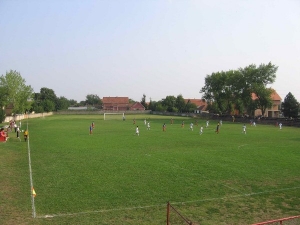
(116, 177)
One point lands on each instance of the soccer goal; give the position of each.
(114, 116)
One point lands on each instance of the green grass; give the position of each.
(116, 177)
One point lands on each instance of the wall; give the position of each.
(25, 116)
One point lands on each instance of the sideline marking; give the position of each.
(163, 205)
(30, 176)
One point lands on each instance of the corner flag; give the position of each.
(33, 192)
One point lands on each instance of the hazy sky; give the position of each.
(128, 48)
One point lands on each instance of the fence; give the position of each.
(294, 220)
(19, 117)
(174, 217)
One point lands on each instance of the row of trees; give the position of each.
(170, 104)
(232, 90)
(225, 92)
(14, 93)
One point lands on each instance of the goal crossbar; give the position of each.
(105, 115)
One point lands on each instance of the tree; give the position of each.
(143, 101)
(256, 81)
(14, 91)
(190, 107)
(180, 103)
(2, 115)
(62, 103)
(170, 104)
(93, 100)
(290, 106)
(46, 96)
(48, 105)
(233, 89)
(151, 105)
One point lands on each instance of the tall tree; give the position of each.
(93, 100)
(14, 91)
(44, 98)
(180, 103)
(143, 101)
(62, 103)
(290, 106)
(233, 89)
(170, 103)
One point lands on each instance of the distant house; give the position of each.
(270, 112)
(200, 103)
(137, 106)
(115, 103)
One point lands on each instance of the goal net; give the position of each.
(114, 116)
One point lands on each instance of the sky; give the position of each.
(128, 48)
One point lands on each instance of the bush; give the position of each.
(2, 115)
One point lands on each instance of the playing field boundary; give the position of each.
(163, 205)
(30, 177)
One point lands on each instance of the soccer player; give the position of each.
(164, 127)
(201, 130)
(192, 126)
(207, 123)
(93, 124)
(280, 126)
(25, 135)
(145, 122)
(148, 126)
(91, 129)
(18, 133)
(244, 129)
(137, 132)
(134, 121)
(172, 121)
(218, 128)
(182, 124)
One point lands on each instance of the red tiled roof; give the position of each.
(274, 96)
(197, 102)
(115, 100)
(137, 105)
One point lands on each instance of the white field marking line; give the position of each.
(102, 211)
(237, 196)
(30, 176)
(163, 205)
(178, 167)
(242, 145)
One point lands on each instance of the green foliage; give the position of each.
(143, 101)
(232, 89)
(48, 105)
(290, 106)
(180, 103)
(93, 100)
(2, 115)
(14, 91)
(62, 103)
(170, 103)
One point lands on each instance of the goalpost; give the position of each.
(117, 116)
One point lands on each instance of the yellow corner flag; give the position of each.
(33, 192)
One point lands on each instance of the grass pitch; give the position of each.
(116, 177)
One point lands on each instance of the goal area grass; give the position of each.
(113, 176)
